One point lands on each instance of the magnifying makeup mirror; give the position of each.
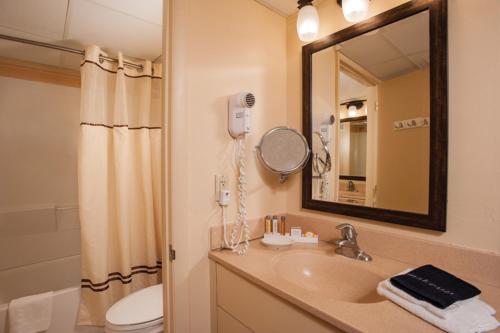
(283, 151)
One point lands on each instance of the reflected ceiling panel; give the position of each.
(397, 49)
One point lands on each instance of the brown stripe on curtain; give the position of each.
(117, 276)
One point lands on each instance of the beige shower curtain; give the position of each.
(119, 182)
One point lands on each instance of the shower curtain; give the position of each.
(118, 181)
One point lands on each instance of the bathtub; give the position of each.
(60, 275)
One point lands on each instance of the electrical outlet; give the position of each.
(220, 184)
(222, 195)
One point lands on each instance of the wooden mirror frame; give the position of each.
(438, 160)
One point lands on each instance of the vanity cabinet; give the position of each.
(241, 306)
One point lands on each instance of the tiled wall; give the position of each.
(34, 235)
(39, 227)
(40, 250)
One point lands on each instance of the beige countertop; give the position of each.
(375, 314)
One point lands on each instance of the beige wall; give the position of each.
(474, 158)
(403, 156)
(220, 48)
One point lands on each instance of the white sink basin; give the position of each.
(331, 276)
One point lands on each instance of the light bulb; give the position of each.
(351, 111)
(355, 10)
(307, 23)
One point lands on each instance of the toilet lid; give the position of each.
(139, 307)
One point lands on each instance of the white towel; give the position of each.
(469, 317)
(31, 314)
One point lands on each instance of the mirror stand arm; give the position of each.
(283, 178)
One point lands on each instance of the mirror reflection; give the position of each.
(283, 151)
(370, 118)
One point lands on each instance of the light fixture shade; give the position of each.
(351, 111)
(355, 10)
(307, 23)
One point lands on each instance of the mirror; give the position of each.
(283, 151)
(384, 82)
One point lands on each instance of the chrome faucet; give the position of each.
(348, 244)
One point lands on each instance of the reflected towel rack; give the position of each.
(411, 123)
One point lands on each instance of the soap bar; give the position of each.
(296, 232)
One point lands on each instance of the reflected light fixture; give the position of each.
(351, 111)
(353, 107)
(307, 21)
(354, 10)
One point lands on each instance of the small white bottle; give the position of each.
(275, 225)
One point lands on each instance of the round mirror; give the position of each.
(284, 151)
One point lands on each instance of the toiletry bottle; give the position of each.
(282, 225)
(268, 225)
(275, 225)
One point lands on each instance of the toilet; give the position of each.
(139, 312)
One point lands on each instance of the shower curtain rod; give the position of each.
(65, 49)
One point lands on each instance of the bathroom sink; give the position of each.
(329, 275)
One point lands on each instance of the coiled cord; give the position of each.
(240, 229)
(325, 185)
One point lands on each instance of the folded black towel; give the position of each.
(433, 285)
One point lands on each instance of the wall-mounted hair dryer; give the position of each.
(239, 124)
(239, 113)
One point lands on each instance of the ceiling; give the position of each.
(284, 7)
(350, 89)
(394, 50)
(130, 26)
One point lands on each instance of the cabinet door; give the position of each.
(228, 324)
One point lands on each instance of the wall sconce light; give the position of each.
(354, 10)
(351, 111)
(308, 19)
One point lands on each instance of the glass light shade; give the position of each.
(307, 23)
(351, 111)
(355, 10)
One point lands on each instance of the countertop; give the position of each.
(376, 315)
